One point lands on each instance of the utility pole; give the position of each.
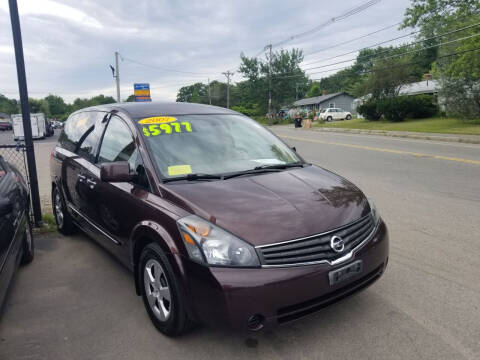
(296, 90)
(27, 125)
(269, 84)
(117, 76)
(209, 96)
(228, 74)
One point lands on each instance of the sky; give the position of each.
(69, 44)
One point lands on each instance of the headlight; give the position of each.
(375, 214)
(207, 243)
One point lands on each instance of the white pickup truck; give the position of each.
(330, 114)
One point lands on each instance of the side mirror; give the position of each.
(293, 148)
(118, 171)
(6, 206)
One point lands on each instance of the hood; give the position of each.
(272, 207)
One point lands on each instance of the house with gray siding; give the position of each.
(337, 100)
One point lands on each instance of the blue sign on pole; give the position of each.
(142, 92)
(142, 86)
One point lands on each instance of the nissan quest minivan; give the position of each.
(219, 220)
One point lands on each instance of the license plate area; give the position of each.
(346, 272)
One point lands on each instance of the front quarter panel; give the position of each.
(168, 237)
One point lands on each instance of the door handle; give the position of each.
(81, 178)
(91, 183)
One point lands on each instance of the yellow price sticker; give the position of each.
(157, 120)
(179, 170)
(174, 127)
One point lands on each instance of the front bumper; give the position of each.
(230, 297)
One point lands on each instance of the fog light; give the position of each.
(255, 322)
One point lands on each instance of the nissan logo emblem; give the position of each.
(337, 244)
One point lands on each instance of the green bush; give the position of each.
(398, 108)
(401, 107)
(423, 106)
(369, 110)
(395, 108)
(249, 111)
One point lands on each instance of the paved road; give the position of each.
(76, 302)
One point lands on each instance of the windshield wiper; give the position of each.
(278, 166)
(192, 177)
(263, 169)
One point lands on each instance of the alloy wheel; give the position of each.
(157, 289)
(28, 236)
(58, 209)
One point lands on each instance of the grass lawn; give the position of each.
(433, 125)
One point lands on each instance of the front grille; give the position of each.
(294, 312)
(317, 247)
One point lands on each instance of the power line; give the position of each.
(397, 55)
(354, 39)
(377, 31)
(163, 69)
(415, 62)
(367, 71)
(366, 47)
(343, 16)
(344, 42)
(399, 37)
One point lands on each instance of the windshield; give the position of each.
(323, 110)
(211, 144)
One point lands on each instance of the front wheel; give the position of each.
(28, 244)
(329, 118)
(161, 293)
(348, 117)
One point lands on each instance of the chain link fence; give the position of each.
(16, 155)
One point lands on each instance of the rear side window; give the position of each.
(75, 127)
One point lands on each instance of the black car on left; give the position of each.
(16, 240)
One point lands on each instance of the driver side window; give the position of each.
(118, 144)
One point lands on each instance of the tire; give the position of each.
(348, 117)
(63, 219)
(161, 293)
(28, 244)
(329, 118)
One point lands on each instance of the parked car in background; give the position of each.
(16, 240)
(330, 114)
(5, 125)
(57, 124)
(49, 129)
(218, 219)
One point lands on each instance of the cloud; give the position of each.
(69, 44)
(56, 9)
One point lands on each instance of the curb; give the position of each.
(420, 136)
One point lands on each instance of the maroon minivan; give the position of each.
(220, 221)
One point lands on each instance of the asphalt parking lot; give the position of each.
(76, 302)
